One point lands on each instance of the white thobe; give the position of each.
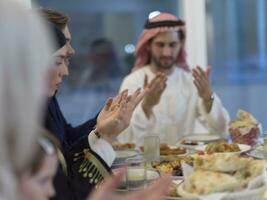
(176, 115)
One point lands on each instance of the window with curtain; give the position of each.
(237, 40)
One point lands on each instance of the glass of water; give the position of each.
(152, 148)
(135, 174)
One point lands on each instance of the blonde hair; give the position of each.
(59, 19)
(25, 52)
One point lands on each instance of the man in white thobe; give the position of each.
(177, 98)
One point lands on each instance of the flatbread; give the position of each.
(205, 182)
(223, 162)
(244, 119)
(250, 172)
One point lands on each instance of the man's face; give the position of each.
(164, 49)
(70, 50)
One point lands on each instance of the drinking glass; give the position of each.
(152, 148)
(135, 173)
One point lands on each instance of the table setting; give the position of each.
(206, 166)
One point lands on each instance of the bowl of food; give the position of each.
(244, 129)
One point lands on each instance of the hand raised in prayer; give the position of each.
(203, 86)
(117, 113)
(154, 91)
(156, 191)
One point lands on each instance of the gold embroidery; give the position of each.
(62, 161)
(91, 167)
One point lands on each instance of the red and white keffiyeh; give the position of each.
(160, 23)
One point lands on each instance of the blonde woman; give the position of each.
(24, 55)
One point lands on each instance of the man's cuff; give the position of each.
(218, 118)
(102, 148)
(213, 105)
(215, 108)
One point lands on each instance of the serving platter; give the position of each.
(243, 148)
(197, 140)
(122, 155)
(255, 153)
(202, 138)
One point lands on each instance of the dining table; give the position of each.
(256, 152)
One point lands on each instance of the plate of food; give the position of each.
(223, 147)
(226, 193)
(245, 129)
(231, 175)
(123, 146)
(167, 150)
(199, 139)
(172, 165)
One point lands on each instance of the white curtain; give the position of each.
(194, 14)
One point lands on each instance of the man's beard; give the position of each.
(163, 63)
